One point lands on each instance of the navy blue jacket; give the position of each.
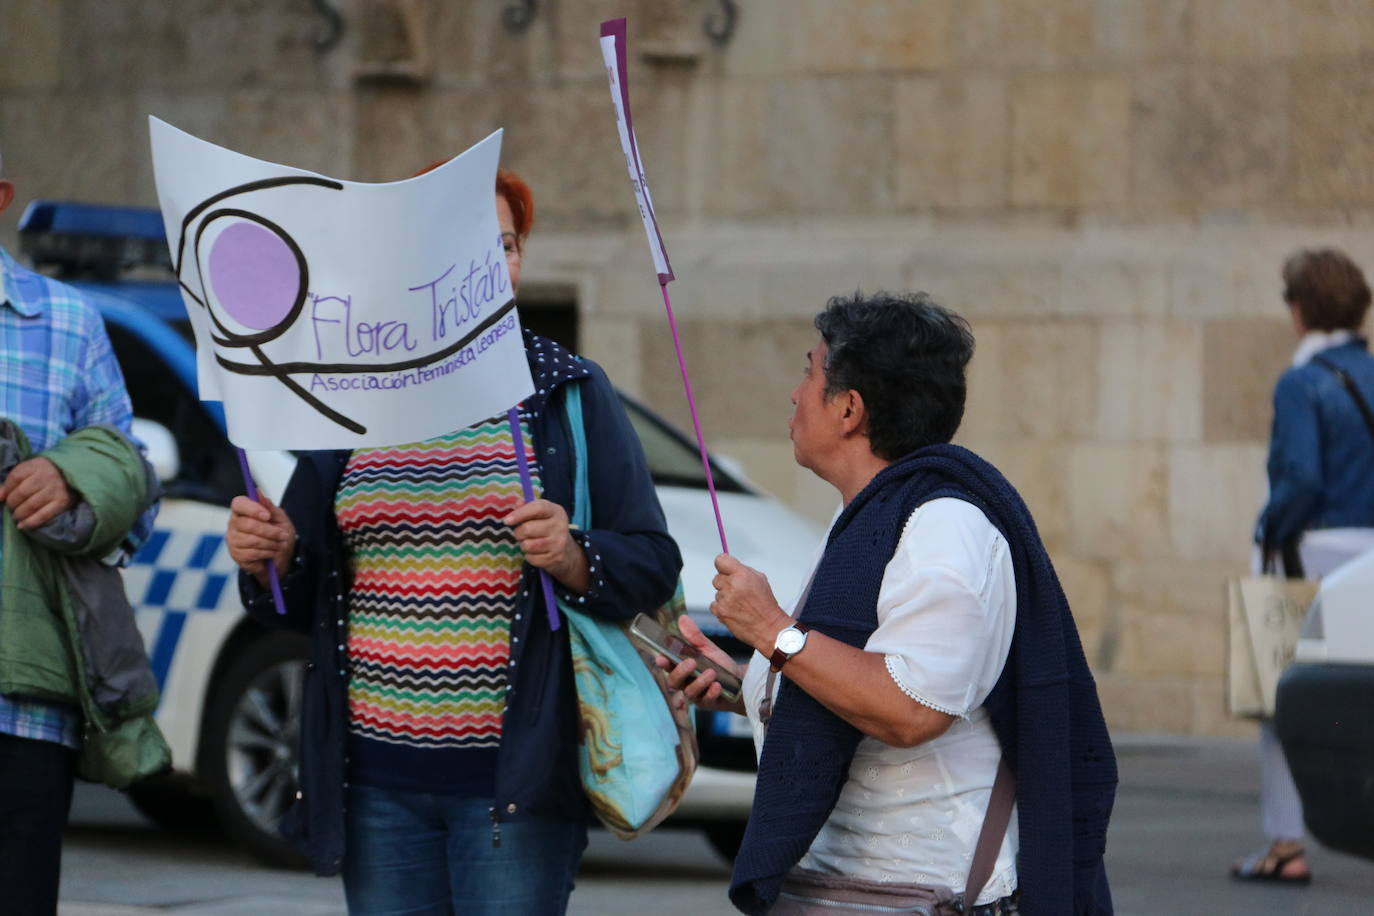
(636, 569)
(1320, 450)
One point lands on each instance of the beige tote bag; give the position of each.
(1265, 614)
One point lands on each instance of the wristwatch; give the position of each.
(790, 641)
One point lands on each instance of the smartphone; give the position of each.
(646, 631)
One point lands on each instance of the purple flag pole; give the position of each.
(252, 490)
(696, 422)
(526, 484)
(617, 65)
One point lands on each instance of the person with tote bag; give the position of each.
(1320, 511)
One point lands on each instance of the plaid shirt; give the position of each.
(57, 374)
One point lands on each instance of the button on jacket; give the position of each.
(636, 569)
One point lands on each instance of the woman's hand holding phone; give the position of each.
(701, 689)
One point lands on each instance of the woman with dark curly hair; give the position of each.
(929, 734)
(439, 736)
(1320, 511)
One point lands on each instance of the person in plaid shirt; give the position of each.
(57, 374)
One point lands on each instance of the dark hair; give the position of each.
(906, 357)
(1327, 287)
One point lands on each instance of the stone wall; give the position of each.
(1105, 188)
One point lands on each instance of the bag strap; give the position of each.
(572, 407)
(990, 838)
(1350, 386)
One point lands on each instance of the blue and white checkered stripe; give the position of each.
(175, 574)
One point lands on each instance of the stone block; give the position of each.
(1023, 33)
(472, 46)
(576, 27)
(1211, 716)
(1088, 586)
(804, 146)
(996, 288)
(200, 45)
(1134, 703)
(1243, 30)
(743, 373)
(1203, 288)
(835, 36)
(1333, 136)
(1029, 379)
(952, 138)
(1070, 141)
(1128, 30)
(801, 290)
(1215, 494)
(1216, 137)
(617, 346)
(1332, 28)
(1149, 381)
(73, 146)
(1038, 469)
(762, 42)
(1119, 501)
(1105, 287)
(1173, 618)
(399, 130)
(30, 47)
(1241, 361)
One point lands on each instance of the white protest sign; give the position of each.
(613, 51)
(337, 314)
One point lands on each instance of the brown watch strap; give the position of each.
(779, 657)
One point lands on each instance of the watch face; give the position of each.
(790, 640)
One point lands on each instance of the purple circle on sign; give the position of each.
(255, 275)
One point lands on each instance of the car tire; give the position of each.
(726, 837)
(250, 751)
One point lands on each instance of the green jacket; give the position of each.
(67, 632)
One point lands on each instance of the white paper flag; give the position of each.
(337, 314)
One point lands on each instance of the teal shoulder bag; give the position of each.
(637, 753)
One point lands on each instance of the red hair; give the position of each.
(513, 188)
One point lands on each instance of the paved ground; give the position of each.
(1184, 809)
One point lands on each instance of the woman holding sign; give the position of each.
(439, 734)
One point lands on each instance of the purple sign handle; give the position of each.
(252, 490)
(696, 421)
(526, 484)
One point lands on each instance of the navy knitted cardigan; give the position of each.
(1044, 707)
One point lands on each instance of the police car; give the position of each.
(231, 689)
(1323, 708)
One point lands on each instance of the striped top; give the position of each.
(435, 578)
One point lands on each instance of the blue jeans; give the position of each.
(423, 854)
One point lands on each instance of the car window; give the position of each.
(673, 458)
(209, 469)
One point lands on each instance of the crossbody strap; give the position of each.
(1350, 386)
(572, 408)
(994, 830)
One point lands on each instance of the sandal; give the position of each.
(1269, 865)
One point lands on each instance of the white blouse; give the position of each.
(946, 611)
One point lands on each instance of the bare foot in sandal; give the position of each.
(1283, 862)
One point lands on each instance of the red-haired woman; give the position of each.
(439, 730)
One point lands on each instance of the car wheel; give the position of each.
(250, 752)
(726, 837)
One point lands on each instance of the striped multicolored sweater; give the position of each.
(435, 577)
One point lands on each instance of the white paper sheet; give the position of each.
(337, 314)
